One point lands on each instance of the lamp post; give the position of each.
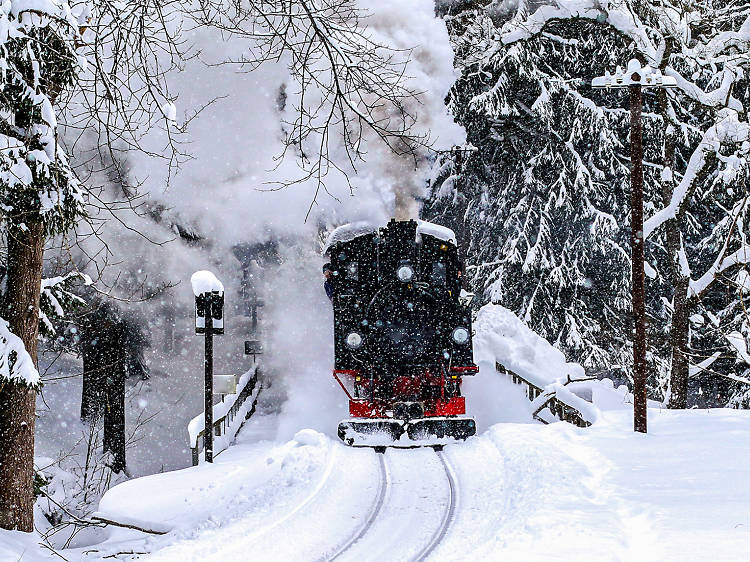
(209, 320)
(635, 78)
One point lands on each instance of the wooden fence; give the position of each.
(225, 413)
(542, 399)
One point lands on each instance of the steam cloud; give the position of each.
(220, 195)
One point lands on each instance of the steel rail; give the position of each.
(448, 515)
(385, 482)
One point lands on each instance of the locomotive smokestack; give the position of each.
(405, 207)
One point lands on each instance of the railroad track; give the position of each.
(365, 532)
(377, 506)
(448, 515)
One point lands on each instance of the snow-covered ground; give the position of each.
(518, 490)
(522, 490)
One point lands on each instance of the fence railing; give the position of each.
(229, 415)
(556, 398)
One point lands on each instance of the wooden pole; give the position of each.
(637, 257)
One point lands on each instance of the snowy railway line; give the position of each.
(515, 488)
(450, 510)
(361, 539)
(384, 483)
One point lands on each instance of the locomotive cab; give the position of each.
(402, 337)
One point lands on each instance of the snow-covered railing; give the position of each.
(229, 415)
(557, 399)
(555, 386)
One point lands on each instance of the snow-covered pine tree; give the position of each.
(39, 196)
(545, 196)
(542, 200)
(97, 66)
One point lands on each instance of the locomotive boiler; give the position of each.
(402, 335)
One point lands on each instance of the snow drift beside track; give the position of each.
(502, 336)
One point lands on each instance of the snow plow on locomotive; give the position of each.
(402, 335)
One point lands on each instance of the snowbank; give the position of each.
(500, 336)
(193, 496)
(18, 546)
(679, 492)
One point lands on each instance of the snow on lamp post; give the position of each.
(209, 320)
(635, 78)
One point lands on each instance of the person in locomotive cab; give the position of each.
(328, 284)
(460, 277)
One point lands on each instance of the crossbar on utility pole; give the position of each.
(635, 78)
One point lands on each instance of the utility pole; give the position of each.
(640, 410)
(635, 78)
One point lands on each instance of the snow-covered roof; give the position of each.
(350, 231)
(439, 232)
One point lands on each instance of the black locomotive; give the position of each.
(402, 336)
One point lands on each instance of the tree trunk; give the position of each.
(17, 402)
(679, 338)
(680, 327)
(169, 320)
(114, 417)
(93, 391)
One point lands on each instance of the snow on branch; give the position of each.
(56, 299)
(717, 98)
(16, 365)
(618, 15)
(729, 129)
(739, 257)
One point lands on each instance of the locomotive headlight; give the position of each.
(405, 273)
(353, 340)
(460, 335)
(352, 271)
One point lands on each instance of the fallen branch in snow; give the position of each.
(52, 550)
(128, 526)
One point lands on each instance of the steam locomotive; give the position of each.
(402, 336)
